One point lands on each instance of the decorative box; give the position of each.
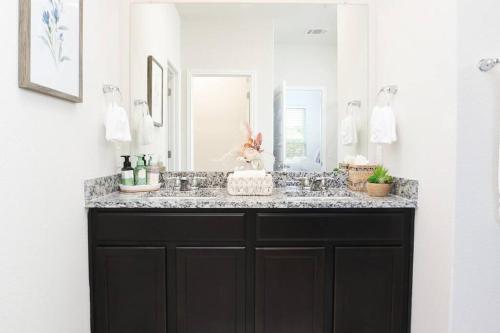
(250, 184)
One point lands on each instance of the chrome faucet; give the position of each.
(186, 184)
(316, 184)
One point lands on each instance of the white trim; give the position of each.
(216, 73)
(322, 89)
(176, 119)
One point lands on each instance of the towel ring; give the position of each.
(113, 90)
(390, 91)
(355, 103)
(486, 65)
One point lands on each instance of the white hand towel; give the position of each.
(117, 124)
(348, 131)
(383, 125)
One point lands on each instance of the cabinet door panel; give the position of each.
(130, 290)
(211, 290)
(290, 289)
(368, 290)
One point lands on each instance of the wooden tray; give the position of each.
(139, 188)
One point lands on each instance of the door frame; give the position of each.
(174, 119)
(322, 90)
(189, 117)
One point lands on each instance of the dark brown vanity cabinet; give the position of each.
(211, 290)
(290, 290)
(129, 289)
(250, 271)
(369, 293)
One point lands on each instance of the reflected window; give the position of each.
(295, 127)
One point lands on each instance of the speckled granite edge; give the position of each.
(118, 200)
(102, 186)
(406, 188)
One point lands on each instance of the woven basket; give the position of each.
(344, 166)
(358, 176)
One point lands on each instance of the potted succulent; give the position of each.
(379, 183)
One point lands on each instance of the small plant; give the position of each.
(380, 176)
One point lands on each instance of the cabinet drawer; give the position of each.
(331, 227)
(127, 226)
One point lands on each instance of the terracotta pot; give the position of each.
(378, 190)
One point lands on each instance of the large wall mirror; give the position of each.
(297, 73)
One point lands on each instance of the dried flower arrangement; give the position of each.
(252, 148)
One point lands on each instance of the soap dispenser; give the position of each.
(140, 173)
(127, 172)
(153, 172)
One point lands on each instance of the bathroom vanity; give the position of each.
(280, 264)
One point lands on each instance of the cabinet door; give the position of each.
(290, 289)
(130, 291)
(368, 290)
(210, 290)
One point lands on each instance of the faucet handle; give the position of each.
(304, 182)
(176, 179)
(184, 184)
(195, 183)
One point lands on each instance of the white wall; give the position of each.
(353, 73)
(49, 147)
(312, 65)
(234, 45)
(154, 30)
(417, 49)
(476, 264)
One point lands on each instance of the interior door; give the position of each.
(279, 132)
(171, 120)
(219, 107)
(303, 129)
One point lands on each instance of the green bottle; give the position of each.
(127, 174)
(140, 174)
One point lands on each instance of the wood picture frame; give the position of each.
(156, 90)
(57, 20)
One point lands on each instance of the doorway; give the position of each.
(219, 103)
(300, 136)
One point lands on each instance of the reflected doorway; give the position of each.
(219, 104)
(300, 143)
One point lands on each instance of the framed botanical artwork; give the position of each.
(155, 90)
(50, 47)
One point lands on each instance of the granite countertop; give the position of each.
(104, 192)
(219, 198)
